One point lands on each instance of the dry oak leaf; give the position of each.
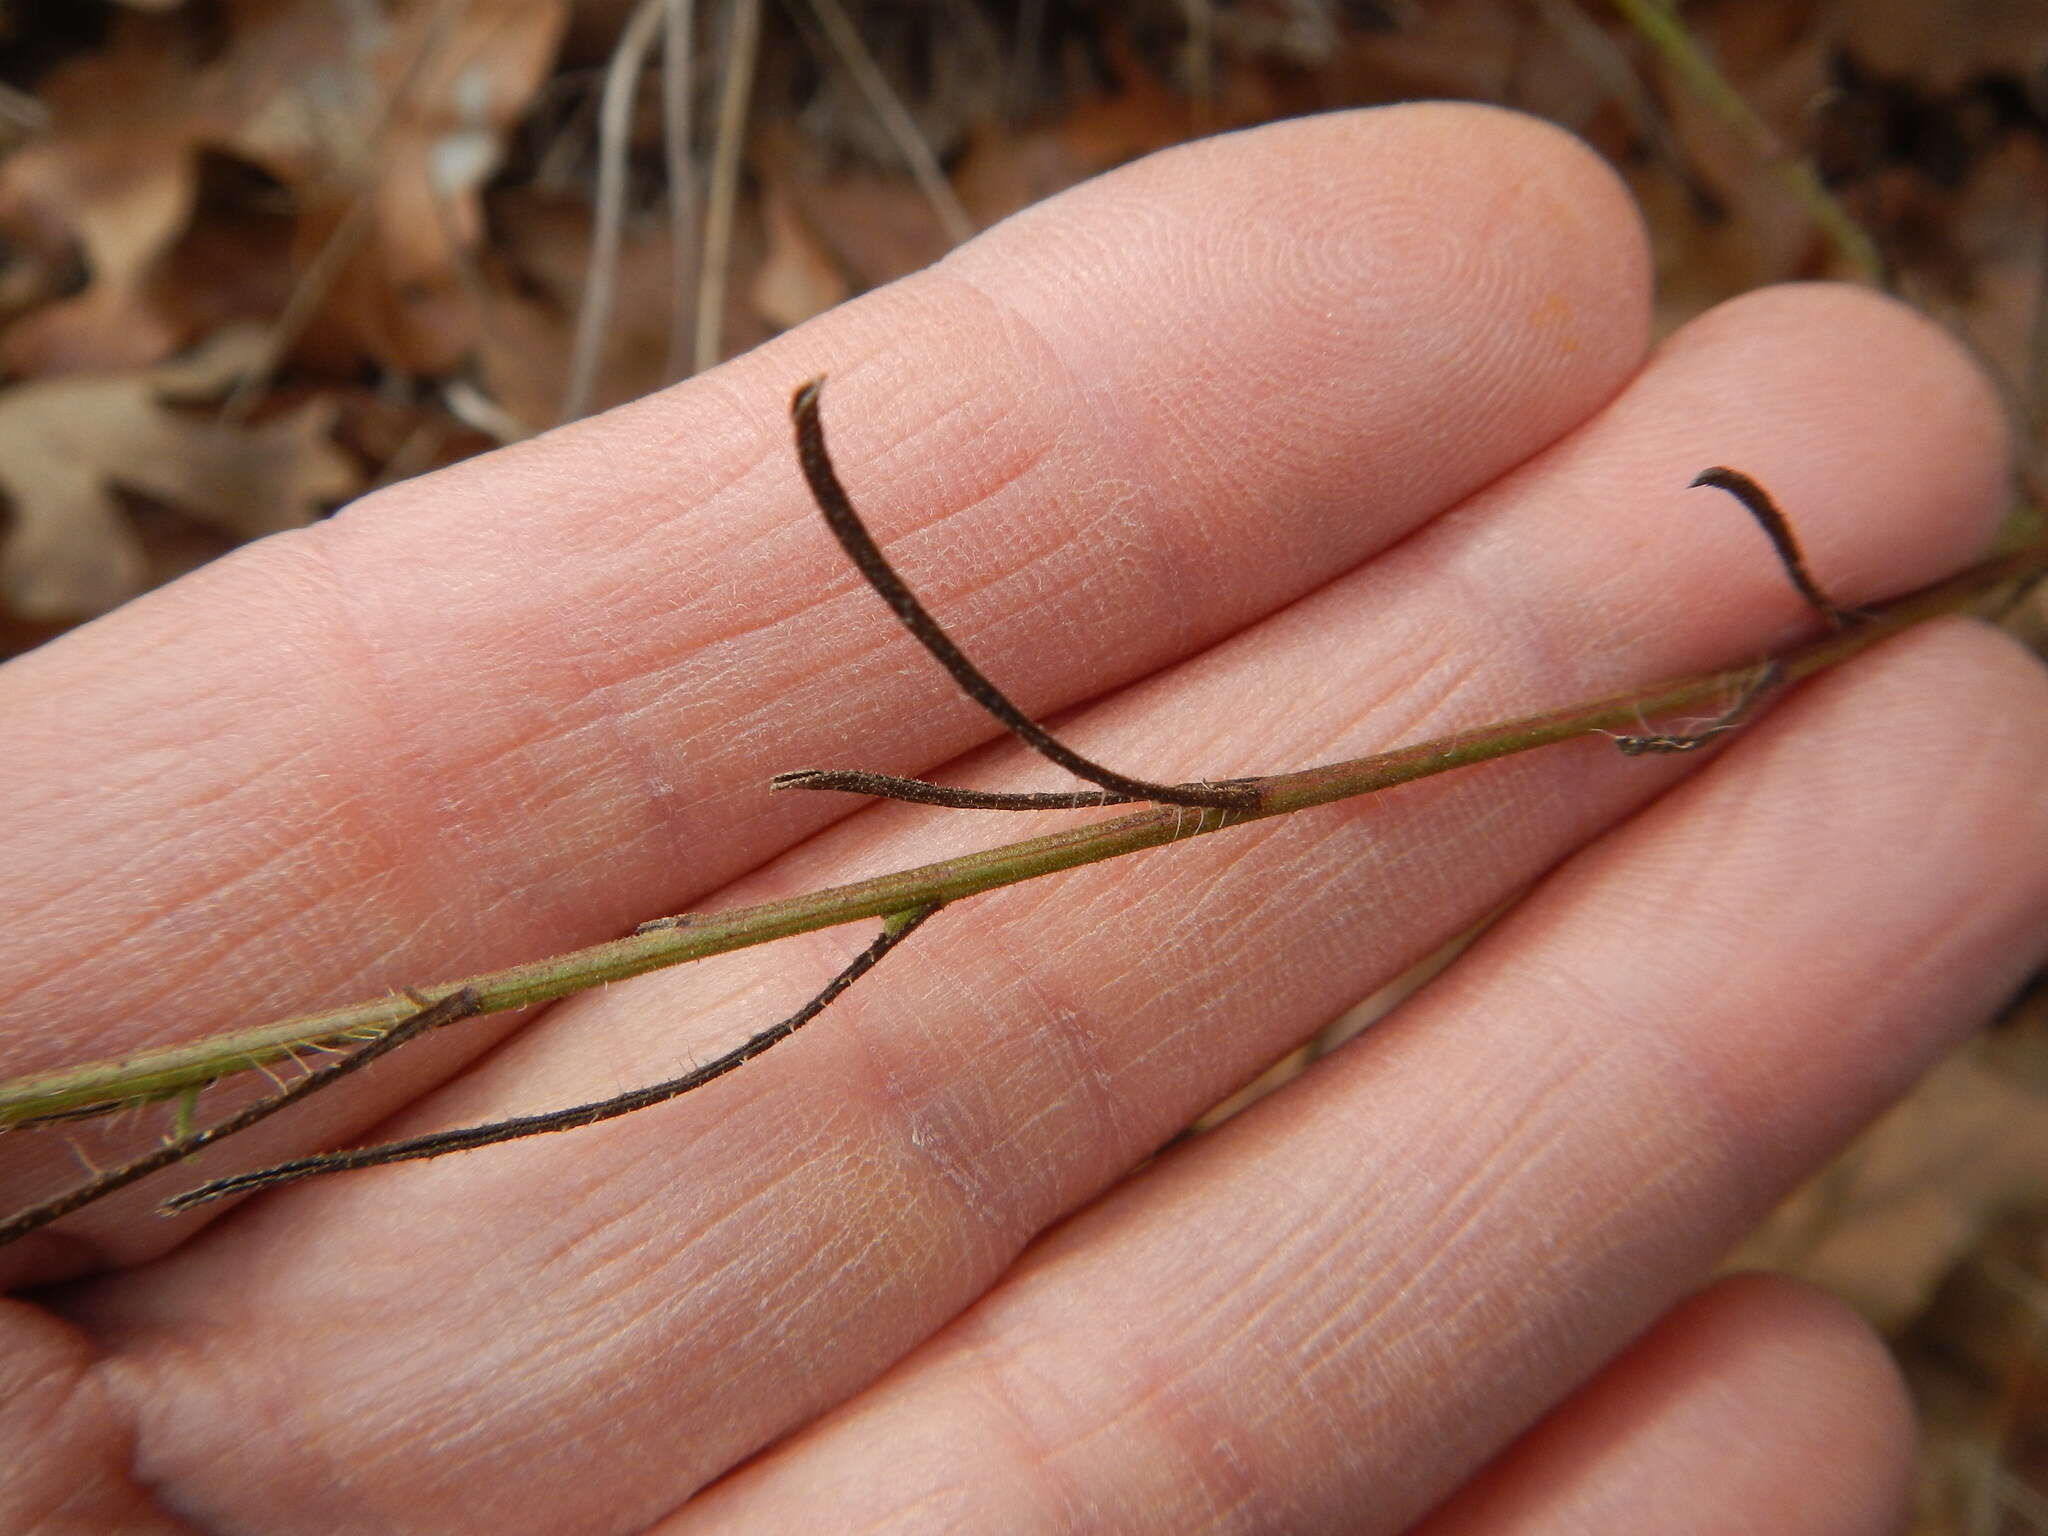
(114, 176)
(406, 121)
(66, 444)
(398, 109)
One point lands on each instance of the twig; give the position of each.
(868, 559)
(1658, 23)
(161, 1073)
(600, 277)
(1769, 678)
(861, 549)
(1757, 502)
(887, 786)
(439, 1143)
(669, 941)
(1020, 81)
(743, 42)
(1767, 681)
(678, 112)
(459, 1004)
(1198, 58)
(895, 119)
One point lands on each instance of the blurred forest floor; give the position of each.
(259, 256)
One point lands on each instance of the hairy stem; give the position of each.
(469, 1138)
(186, 1142)
(673, 941)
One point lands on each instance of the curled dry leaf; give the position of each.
(67, 444)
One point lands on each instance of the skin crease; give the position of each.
(1280, 447)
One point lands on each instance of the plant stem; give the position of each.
(674, 941)
(1657, 22)
(469, 1138)
(187, 1142)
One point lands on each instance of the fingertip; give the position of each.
(1912, 450)
(1427, 274)
(1809, 1394)
(1760, 1399)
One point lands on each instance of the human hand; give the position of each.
(1271, 450)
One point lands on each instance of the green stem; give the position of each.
(1656, 21)
(674, 941)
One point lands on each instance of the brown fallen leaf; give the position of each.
(436, 95)
(1885, 1221)
(67, 446)
(113, 179)
(382, 122)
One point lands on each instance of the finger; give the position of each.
(1757, 1405)
(519, 705)
(1333, 1311)
(716, 1272)
(64, 1438)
